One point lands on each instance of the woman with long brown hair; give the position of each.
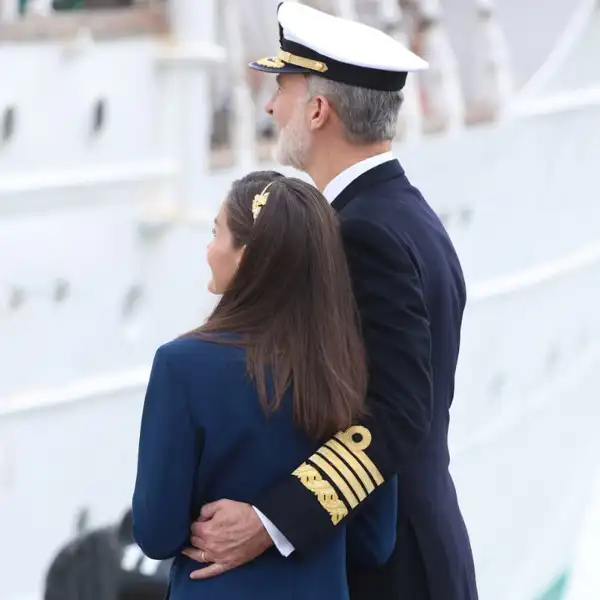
(277, 368)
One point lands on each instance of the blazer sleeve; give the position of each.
(371, 534)
(331, 484)
(170, 447)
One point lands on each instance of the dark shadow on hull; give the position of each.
(92, 567)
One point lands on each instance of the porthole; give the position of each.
(16, 298)
(8, 124)
(132, 302)
(133, 314)
(61, 290)
(99, 110)
(466, 216)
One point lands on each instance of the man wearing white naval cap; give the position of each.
(336, 106)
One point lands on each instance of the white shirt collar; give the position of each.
(340, 182)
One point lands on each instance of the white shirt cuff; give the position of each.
(281, 542)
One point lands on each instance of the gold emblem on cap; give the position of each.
(300, 61)
(272, 62)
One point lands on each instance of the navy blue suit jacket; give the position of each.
(204, 437)
(411, 295)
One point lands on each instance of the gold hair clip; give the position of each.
(259, 201)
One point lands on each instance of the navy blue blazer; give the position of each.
(204, 437)
(411, 296)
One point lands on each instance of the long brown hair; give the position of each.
(292, 305)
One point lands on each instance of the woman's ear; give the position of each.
(239, 253)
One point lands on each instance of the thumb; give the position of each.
(209, 510)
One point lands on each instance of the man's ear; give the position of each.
(320, 112)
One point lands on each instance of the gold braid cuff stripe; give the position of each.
(352, 463)
(344, 464)
(343, 469)
(311, 479)
(357, 447)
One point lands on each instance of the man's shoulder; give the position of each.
(383, 216)
(387, 204)
(395, 222)
(398, 208)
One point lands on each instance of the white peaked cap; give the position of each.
(312, 41)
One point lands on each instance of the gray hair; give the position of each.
(368, 116)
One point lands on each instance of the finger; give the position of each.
(208, 510)
(200, 528)
(195, 554)
(210, 571)
(197, 524)
(198, 542)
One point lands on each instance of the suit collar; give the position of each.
(347, 176)
(383, 172)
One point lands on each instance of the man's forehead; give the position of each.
(290, 79)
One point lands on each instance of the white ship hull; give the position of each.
(91, 288)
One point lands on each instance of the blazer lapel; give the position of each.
(379, 174)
